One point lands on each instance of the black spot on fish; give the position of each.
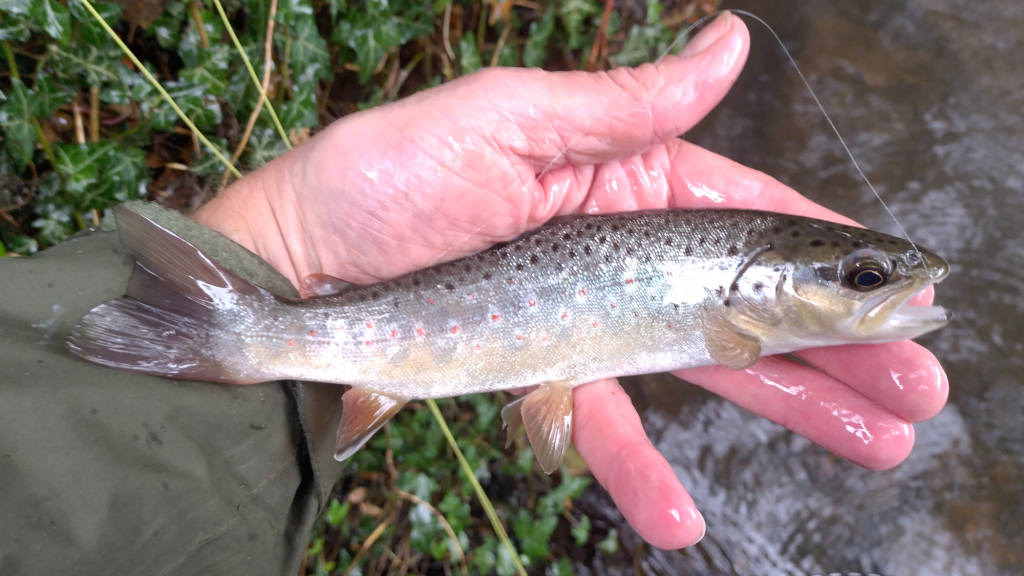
(602, 239)
(416, 282)
(567, 236)
(732, 251)
(758, 286)
(689, 250)
(449, 286)
(615, 227)
(835, 244)
(519, 266)
(487, 275)
(795, 233)
(817, 242)
(586, 249)
(858, 243)
(607, 257)
(615, 246)
(534, 259)
(468, 267)
(572, 253)
(668, 241)
(588, 226)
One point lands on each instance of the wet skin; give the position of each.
(481, 160)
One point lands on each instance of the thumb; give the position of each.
(585, 118)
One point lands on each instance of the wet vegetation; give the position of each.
(84, 130)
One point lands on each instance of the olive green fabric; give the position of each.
(110, 472)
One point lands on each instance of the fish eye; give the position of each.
(867, 278)
(865, 270)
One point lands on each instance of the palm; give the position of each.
(453, 170)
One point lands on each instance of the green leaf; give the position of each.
(53, 18)
(373, 27)
(15, 28)
(574, 14)
(168, 27)
(336, 512)
(23, 245)
(610, 544)
(301, 112)
(562, 568)
(534, 535)
(16, 120)
(469, 57)
(15, 6)
(92, 33)
(309, 58)
(49, 96)
(93, 64)
(581, 532)
(98, 175)
(536, 48)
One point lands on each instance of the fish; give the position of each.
(582, 298)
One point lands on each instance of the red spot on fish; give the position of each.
(511, 280)
(291, 342)
(583, 291)
(367, 343)
(455, 329)
(596, 323)
(613, 305)
(394, 333)
(421, 331)
(543, 338)
(312, 333)
(469, 296)
(495, 317)
(532, 302)
(369, 324)
(564, 315)
(629, 280)
(478, 347)
(520, 337)
(430, 300)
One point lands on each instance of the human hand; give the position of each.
(452, 170)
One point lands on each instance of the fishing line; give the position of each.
(685, 34)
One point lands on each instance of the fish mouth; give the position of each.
(892, 316)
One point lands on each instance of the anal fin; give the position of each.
(363, 412)
(546, 413)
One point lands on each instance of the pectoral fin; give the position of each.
(546, 413)
(363, 412)
(321, 285)
(729, 345)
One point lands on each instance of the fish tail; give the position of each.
(167, 323)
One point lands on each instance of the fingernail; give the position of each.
(719, 27)
(704, 532)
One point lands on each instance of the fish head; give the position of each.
(836, 284)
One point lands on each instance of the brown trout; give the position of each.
(582, 298)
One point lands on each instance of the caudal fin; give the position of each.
(166, 324)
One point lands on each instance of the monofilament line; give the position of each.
(685, 34)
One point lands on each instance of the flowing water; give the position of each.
(930, 95)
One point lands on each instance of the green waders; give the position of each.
(110, 472)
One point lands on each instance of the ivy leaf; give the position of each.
(99, 174)
(581, 532)
(16, 120)
(469, 57)
(49, 96)
(53, 18)
(167, 28)
(536, 49)
(377, 26)
(92, 33)
(574, 15)
(15, 27)
(534, 535)
(265, 144)
(309, 59)
(94, 65)
(300, 113)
